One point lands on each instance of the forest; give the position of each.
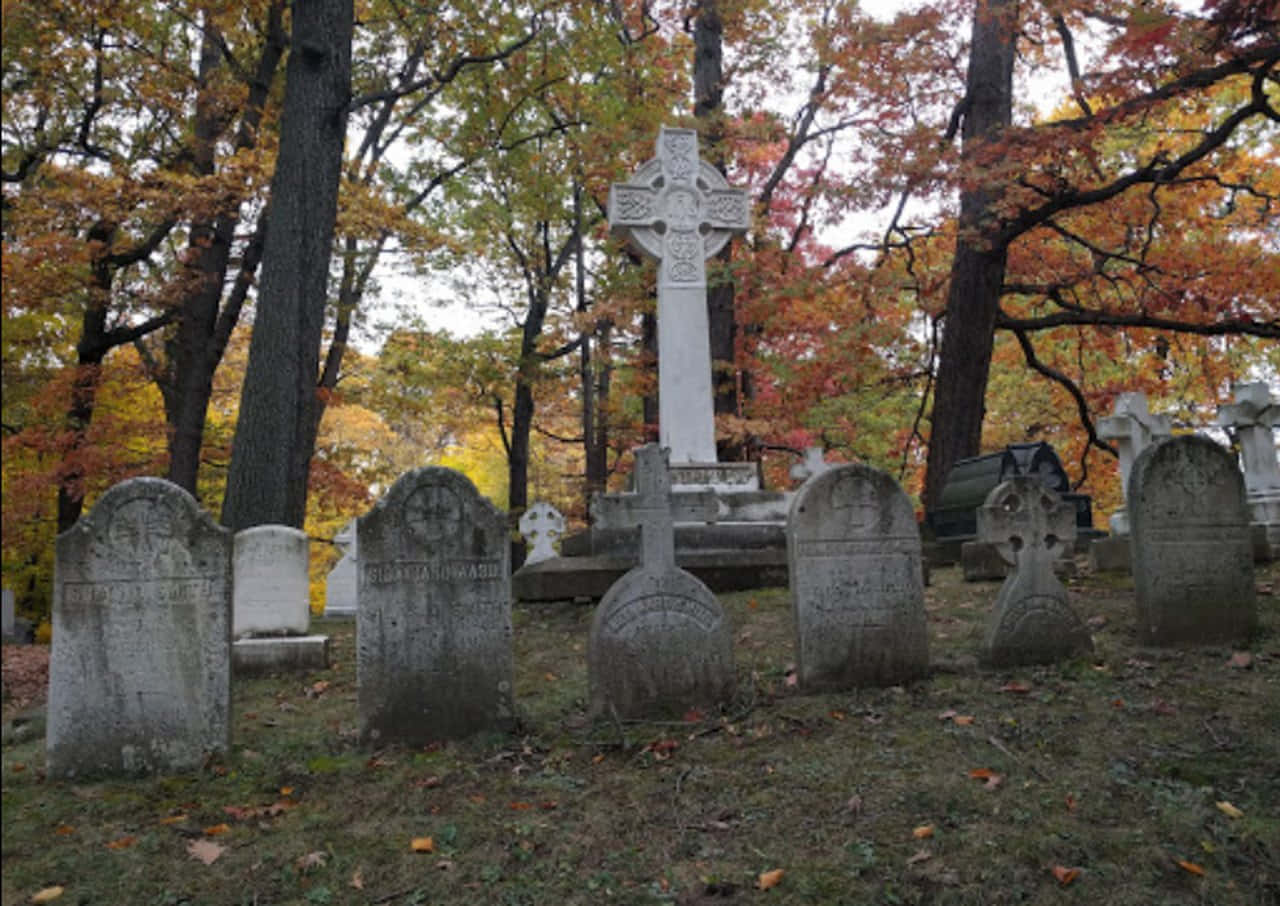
(973, 224)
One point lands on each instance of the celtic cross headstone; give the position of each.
(679, 210)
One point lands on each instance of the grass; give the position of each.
(1112, 765)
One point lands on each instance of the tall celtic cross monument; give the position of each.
(679, 210)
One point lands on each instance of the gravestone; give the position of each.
(856, 583)
(433, 645)
(1254, 417)
(342, 583)
(271, 582)
(541, 525)
(1192, 554)
(680, 211)
(1033, 622)
(139, 674)
(660, 643)
(1131, 428)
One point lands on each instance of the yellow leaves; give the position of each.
(1229, 810)
(205, 851)
(923, 832)
(770, 879)
(1065, 875)
(422, 845)
(47, 895)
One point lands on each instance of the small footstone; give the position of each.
(660, 643)
(1032, 623)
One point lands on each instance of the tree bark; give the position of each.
(977, 270)
(276, 429)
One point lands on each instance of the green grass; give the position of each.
(1112, 765)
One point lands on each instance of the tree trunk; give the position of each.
(977, 270)
(276, 429)
(649, 353)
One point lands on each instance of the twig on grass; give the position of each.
(1005, 749)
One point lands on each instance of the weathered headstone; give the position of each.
(1132, 428)
(1254, 417)
(341, 585)
(856, 584)
(1192, 554)
(814, 463)
(271, 584)
(679, 210)
(139, 675)
(660, 643)
(434, 625)
(1033, 622)
(541, 525)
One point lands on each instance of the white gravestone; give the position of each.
(1131, 428)
(679, 210)
(660, 644)
(1192, 552)
(1254, 417)
(340, 585)
(140, 672)
(272, 587)
(1033, 622)
(541, 525)
(857, 585)
(433, 632)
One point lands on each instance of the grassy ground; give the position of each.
(1113, 766)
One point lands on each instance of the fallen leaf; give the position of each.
(549, 805)
(1016, 686)
(205, 850)
(423, 845)
(596, 759)
(1240, 660)
(1191, 867)
(854, 804)
(317, 688)
(173, 819)
(550, 677)
(520, 806)
(923, 832)
(922, 855)
(962, 720)
(1097, 621)
(991, 778)
(478, 799)
(693, 716)
(770, 879)
(357, 879)
(753, 604)
(217, 829)
(64, 830)
(1163, 707)
(1071, 803)
(18, 767)
(792, 679)
(1117, 703)
(311, 861)
(1229, 810)
(445, 865)
(47, 895)
(286, 791)
(427, 783)
(122, 842)
(1065, 875)
(837, 715)
(874, 718)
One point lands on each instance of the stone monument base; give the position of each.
(718, 476)
(981, 562)
(1111, 554)
(279, 654)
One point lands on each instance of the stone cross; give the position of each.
(652, 509)
(679, 210)
(1132, 428)
(1254, 417)
(815, 463)
(1027, 522)
(541, 524)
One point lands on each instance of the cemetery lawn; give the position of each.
(1135, 776)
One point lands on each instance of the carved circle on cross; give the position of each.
(433, 513)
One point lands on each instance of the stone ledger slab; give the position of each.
(139, 674)
(286, 654)
(1192, 549)
(433, 632)
(856, 582)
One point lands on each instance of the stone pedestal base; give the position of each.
(718, 476)
(1110, 555)
(257, 657)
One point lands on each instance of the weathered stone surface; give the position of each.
(342, 583)
(1033, 622)
(856, 584)
(660, 643)
(541, 525)
(8, 613)
(271, 582)
(1192, 551)
(284, 654)
(434, 624)
(1131, 428)
(139, 675)
(814, 463)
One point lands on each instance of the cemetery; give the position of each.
(810, 453)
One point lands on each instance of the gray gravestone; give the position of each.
(541, 525)
(433, 646)
(814, 463)
(1192, 552)
(341, 584)
(8, 613)
(1132, 428)
(660, 643)
(272, 587)
(1033, 623)
(856, 583)
(139, 675)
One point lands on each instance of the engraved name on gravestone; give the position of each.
(140, 672)
(857, 589)
(1033, 622)
(679, 210)
(541, 525)
(1192, 552)
(433, 646)
(660, 643)
(271, 582)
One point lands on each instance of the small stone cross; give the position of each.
(652, 508)
(1027, 523)
(541, 524)
(679, 210)
(815, 463)
(1254, 417)
(1133, 428)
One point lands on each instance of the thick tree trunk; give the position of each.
(649, 353)
(276, 430)
(596, 430)
(977, 271)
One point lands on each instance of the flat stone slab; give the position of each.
(566, 578)
(286, 654)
